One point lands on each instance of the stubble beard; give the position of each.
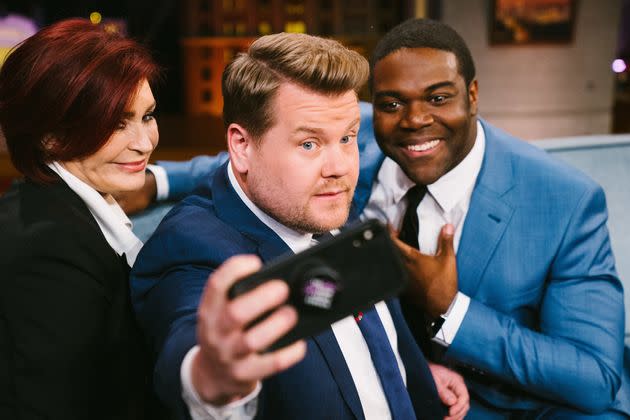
(298, 218)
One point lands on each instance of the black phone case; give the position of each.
(333, 279)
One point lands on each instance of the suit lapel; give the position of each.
(371, 160)
(489, 213)
(420, 384)
(231, 209)
(329, 347)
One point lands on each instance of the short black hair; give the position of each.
(425, 33)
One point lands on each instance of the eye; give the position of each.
(122, 124)
(390, 106)
(308, 145)
(438, 99)
(148, 116)
(346, 139)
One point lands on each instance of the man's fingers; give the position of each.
(445, 240)
(228, 273)
(458, 411)
(262, 335)
(447, 396)
(405, 249)
(251, 305)
(460, 408)
(409, 253)
(234, 269)
(393, 233)
(458, 387)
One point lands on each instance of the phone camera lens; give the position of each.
(368, 234)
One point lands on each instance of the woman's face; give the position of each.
(119, 165)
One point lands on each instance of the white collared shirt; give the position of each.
(112, 220)
(447, 201)
(347, 332)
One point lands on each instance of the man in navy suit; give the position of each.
(531, 310)
(292, 117)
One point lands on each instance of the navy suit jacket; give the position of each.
(167, 282)
(546, 320)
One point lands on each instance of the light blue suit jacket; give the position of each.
(546, 321)
(546, 313)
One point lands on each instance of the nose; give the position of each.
(416, 116)
(145, 140)
(339, 161)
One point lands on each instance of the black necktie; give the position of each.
(416, 319)
(409, 229)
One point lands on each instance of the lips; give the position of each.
(419, 147)
(136, 166)
(423, 147)
(331, 193)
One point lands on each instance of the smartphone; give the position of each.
(335, 278)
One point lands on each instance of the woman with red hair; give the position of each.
(76, 108)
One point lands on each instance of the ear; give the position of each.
(472, 97)
(50, 145)
(240, 145)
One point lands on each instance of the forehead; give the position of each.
(416, 68)
(296, 106)
(143, 96)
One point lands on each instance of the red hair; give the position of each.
(64, 90)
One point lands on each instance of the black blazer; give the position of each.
(69, 345)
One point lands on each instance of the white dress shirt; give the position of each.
(161, 182)
(347, 332)
(112, 220)
(447, 201)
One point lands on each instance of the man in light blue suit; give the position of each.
(531, 309)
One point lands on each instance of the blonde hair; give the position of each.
(251, 80)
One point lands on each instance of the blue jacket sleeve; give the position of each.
(575, 355)
(184, 177)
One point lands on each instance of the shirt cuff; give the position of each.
(161, 182)
(242, 409)
(453, 320)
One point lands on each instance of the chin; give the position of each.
(333, 222)
(129, 183)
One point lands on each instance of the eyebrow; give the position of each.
(429, 88)
(127, 114)
(313, 130)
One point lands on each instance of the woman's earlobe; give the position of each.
(50, 144)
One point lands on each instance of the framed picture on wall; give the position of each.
(520, 22)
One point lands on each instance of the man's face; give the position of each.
(424, 114)
(304, 169)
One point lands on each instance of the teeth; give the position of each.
(424, 146)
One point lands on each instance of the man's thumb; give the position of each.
(445, 245)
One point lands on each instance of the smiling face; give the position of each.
(303, 170)
(424, 114)
(120, 164)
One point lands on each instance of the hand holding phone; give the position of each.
(336, 278)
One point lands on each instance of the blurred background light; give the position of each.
(95, 18)
(619, 66)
